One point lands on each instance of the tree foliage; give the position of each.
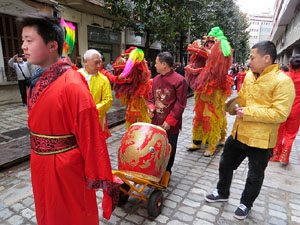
(169, 21)
(226, 15)
(153, 18)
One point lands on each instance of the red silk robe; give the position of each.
(60, 181)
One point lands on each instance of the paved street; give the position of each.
(193, 176)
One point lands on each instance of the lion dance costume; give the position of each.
(134, 87)
(206, 74)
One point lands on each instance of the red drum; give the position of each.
(144, 151)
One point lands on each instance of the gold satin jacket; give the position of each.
(100, 90)
(268, 102)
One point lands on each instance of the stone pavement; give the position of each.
(193, 176)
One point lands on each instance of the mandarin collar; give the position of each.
(267, 70)
(168, 73)
(89, 73)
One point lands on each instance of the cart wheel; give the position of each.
(123, 198)
(155, 203)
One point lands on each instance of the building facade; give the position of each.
(260, 26)
(286, 29)
(93, 28)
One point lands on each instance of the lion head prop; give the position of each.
(136, 75)
(209, 62)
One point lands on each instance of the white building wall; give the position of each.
(260, 28)
(286, 29)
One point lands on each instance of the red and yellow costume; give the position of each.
(207, 75)
(288, 130)
(134, 90)
(69, 157)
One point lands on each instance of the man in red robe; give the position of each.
(168, 100)
(69, 157)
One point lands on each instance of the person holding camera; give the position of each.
(22, 69)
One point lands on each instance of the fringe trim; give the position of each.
(209, 123)
(136, 110)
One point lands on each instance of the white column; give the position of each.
(123, 41)
(2, 70)
(296, 50)
(285, 59)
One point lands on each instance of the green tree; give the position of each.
(153, 18)
(226, 15)
(173, 21)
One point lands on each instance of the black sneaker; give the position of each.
(241, 212)
(215, 197)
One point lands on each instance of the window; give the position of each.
(11, 42)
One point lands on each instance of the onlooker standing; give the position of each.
(268, 95)
(179, 68)
(168, 100)
(288, 130)
(235, 71)
(109, 67)
(240, 78)
(23, 71)
(78, 62)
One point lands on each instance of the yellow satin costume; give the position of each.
(100, 90)
(269, 99)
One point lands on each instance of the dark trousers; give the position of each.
(173, 142)
(233, 154)
(23, 84)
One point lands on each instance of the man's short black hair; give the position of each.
(48, 27)
(166, 57)
(295, 62)
(266, 48)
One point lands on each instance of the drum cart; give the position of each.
(134, 186)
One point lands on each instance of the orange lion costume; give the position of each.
(134, 87)
(206, 74)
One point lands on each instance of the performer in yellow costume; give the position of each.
(207, 75)
(99, 85)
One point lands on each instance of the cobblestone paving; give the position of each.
(12, 117)
(193, 176)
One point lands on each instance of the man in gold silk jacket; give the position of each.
(264, 102)
(99, 85)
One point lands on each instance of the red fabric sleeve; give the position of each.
(112, 78)
(171, 120)
(151, 101)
